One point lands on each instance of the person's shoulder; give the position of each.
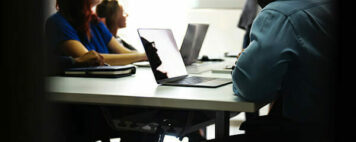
(290, 7)
(56, 17)
(97, 25)
(57, 21)
(53, 20)
(100, 24)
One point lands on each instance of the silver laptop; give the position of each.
(191, 45)
(167, 63)
(192, 42)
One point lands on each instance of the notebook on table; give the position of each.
(167, 63)
(101, 71)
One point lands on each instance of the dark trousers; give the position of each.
(276, 128)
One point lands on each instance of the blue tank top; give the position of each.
(58, 29)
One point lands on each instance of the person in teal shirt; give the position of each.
(291, 57)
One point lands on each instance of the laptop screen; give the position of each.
(193, 41)
(162, 52)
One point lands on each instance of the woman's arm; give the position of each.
(115, 47)
(124, 59)
(126, 56)
(75, 49)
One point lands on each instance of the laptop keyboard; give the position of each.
(193, 80)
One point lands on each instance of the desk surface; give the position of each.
(142, 90)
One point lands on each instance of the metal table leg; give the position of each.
(251, 115)
(222, 124)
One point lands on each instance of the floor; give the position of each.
(235, 123)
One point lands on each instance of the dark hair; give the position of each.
(107, 10)
(79, 14)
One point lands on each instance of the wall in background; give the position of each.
(218, 4)
(222, 36)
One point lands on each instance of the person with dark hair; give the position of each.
(114, 16)
(290, 62)
(77, 37)
(75, 29)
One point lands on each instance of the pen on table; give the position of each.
(106, 64)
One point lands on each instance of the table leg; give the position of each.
(252, 115)
(222, 124)
(204, 132)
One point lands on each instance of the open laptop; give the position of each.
(191, 45)
(192, 42)
(167, 63)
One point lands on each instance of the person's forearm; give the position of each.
(123, 59)
(116, 47)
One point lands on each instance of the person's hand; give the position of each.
(237, 58)
(91, 58)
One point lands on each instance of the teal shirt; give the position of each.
(290, 54)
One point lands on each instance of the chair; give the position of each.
(161, 122)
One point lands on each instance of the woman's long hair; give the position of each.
(108, 9)
(79, 15)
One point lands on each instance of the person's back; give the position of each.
(291, 55)
(309, 72)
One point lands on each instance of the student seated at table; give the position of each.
(75, 29)
(114, 17)
(290, 61)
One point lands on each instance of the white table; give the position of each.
(141, 90)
